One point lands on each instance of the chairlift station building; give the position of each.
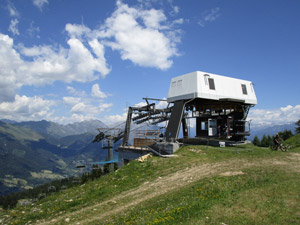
(214, 87)
(219, 104)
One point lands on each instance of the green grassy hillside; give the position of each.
(246, 185)
(29, 158)
(293, 141)
(19, 133)
(26, 159)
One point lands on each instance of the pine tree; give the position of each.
(298, 128)
(264, 141)
(270, 141)
(286, 134)
(256, 141)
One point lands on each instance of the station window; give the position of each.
(179, 83)
(244, 89)
(174, 84)
(211, 84)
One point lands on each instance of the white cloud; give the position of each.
(96, 92)
(145, 44)
(71, 119)
(33, 31)
(162, 104)
(140, 104)
(40, 3)
(284, 115)
(77, 30)
(209, 16)
(71, 100)
(13, 27)
(178, 21)
(13, 12)
(153, 18)
(176, 9)
(145, 37)
(114, 119)
(82, 109)
(48, 64)
(25, 108)
(105, 106)
(75, 92)
(89, 109)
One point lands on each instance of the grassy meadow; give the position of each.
(202, 185)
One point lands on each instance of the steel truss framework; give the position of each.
(228, 113)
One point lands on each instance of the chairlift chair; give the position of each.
(80, 164)
(51, 188)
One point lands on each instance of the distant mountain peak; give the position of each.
(58, 130)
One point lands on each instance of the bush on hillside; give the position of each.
(286, 134)
(293, 141)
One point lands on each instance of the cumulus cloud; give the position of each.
(96, 92)
(71, 101)
(140, 104)
(141, 36)
(82, 108)
(209, 16)
(114, 119)
(75, 92)
(77, 30)
(72, 118)
(13, 27)
(48, 64)
(25, 108)
(162, 104)
(40, 3)
(89, 109)
(283, 115)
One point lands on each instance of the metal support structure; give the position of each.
(127, 127)
(175, 120)
(110, 146)
(112, 135)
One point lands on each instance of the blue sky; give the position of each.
(69, 61)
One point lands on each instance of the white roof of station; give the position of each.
(211, 86)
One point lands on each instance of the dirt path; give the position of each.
(126, 200)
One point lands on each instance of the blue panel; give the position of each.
(104, 162)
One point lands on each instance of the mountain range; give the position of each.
(34, 152)
(271, 130)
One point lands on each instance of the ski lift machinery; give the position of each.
(219, 104)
